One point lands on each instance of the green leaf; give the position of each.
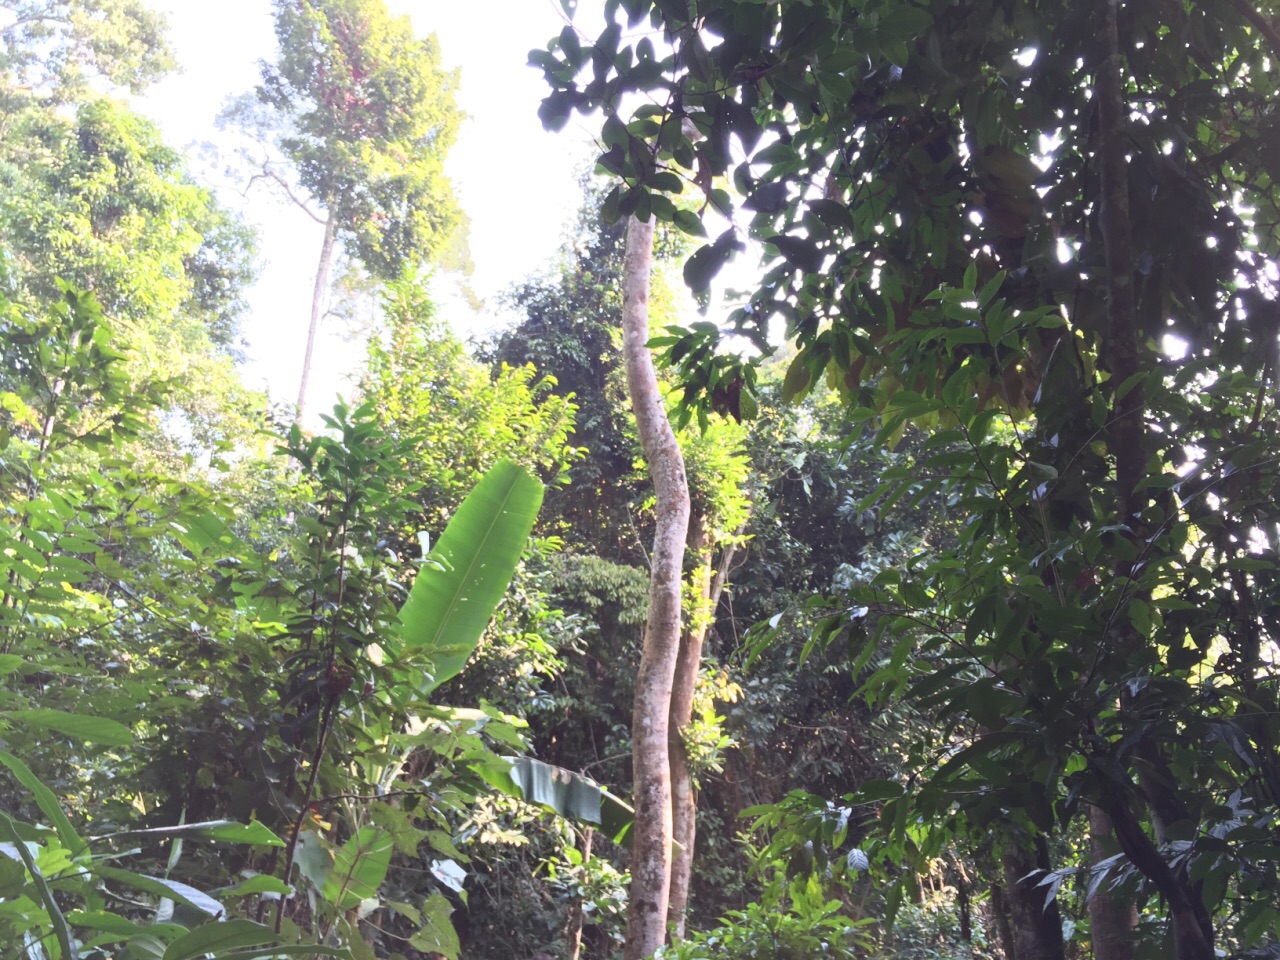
(145, 947)
(563, 792)
(47, 803)
(796, 382)
(990, 289)
(12, 878)
(315, 857)
(359, 868)
(164, 888)
(9, 831)
(219, 935)
(872, 790)
(293, 950)
(800, 252)
(701, 268)
(115, 925)
(78, 726)
(455, 594)
(228, 831)
(832, 213)
(261, 883)
(690, 223)
(437, 934)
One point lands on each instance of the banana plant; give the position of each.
(465, 575)
(451, 603)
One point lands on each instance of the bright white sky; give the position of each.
(517, 182)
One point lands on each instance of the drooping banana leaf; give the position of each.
(563, 792)
(459, 586)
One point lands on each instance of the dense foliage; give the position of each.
(1039, 235)
(983, 561)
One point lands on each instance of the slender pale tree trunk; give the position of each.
(706, 590)
(318, 297)
(650, 725)
(684, 801)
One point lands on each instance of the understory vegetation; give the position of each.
(984, 552)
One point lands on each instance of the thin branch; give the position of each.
(269, 174)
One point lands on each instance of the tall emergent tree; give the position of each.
(364, 114)
(651, 722)
(1044, 236)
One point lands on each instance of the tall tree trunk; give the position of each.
(1037, 926)
(684, 801)
(1112, 918)
(318, 297)
(650, 724)
(999, 907)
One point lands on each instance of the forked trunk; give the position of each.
(650, 726)
(684, 801)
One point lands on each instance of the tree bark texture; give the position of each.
(1036, 926)
(684, 801)
(1002, 923)
(318, 297)
(1112, 918)
(650, 725)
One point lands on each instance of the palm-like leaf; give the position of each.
(466, 574)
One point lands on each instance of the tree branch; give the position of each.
(269, 174)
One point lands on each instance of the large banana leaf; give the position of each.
(563, 792)
(459, 587)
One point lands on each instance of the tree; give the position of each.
(97, 200)
(571, 330)
(1028, 232)
(651, 721)
(457, 416)
(364, 114)
(57, 47)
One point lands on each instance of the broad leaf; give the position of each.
(47, 803)
(78, 726)
(165, 888)
(228, 831)
(56, 919)
(456, 592)
(219, 935)
(563, 792)
(359, 868)
(437, 934)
